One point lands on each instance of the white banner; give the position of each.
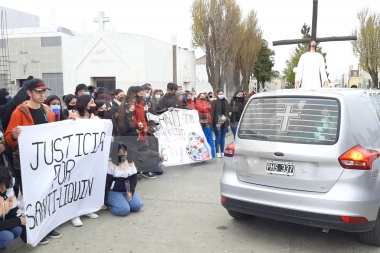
(64, 168)
(181, 138)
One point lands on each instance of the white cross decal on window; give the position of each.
(286, 117)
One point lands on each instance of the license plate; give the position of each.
(278, 167)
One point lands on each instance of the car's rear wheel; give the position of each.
(372, 237)
(239, 215)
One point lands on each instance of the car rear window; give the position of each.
(291, 119)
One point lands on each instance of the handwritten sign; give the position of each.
(181, 138)
(64, 168)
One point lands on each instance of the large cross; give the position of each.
(286, 117)
(102, 20)
(313, 33)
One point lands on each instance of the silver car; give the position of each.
(308, 157)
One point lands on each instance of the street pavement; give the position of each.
(182, 213)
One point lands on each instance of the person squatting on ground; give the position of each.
(120, 195)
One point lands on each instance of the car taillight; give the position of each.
(358, 158)
(351, 219)
(230, 150)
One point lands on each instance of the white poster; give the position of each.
(181, 138)
(64, 168)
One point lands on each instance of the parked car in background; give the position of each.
(308, 157)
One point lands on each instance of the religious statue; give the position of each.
(311, 69)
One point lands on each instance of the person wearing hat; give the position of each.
(180, 103)
(81, 89)
(33, 112)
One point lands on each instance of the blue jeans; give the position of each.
(118, 204)
(234, 126)
(220, 138)
(7, 236)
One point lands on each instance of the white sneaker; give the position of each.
(92, 215)
(218, 155)
(76, 222)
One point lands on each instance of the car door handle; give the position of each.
(278, 154)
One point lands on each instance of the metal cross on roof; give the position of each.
(102, 20)
(313, 33)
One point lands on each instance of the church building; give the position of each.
(63, 58)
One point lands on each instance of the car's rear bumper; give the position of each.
(294, 216)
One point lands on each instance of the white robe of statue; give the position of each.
(311, 69)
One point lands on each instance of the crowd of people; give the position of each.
(134, 151)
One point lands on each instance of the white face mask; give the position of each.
(157, 96)
(220, 96)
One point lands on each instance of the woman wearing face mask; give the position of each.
(203, 107)
(120, 195)
(237, 106)
(156, 97)
(70, 101)
(220, 110)
(85, 109)
(54, 103)
(103, 109)
(189, 100)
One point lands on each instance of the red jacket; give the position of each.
(204, 108)
(140, 117)
(21, 117)
(190, 105)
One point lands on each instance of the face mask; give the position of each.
(55, 108)
(86, 93)
(101, 114)
(146, 95)
(239, 98)
(157, 96)
(133, 113)
(91, 110)
(13, 181)
(122, 158)
(152, 129)
(70, 107)
(220, 96)
(203, 99)
(120, 99)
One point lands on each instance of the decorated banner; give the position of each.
(64, 168)
(181, 138)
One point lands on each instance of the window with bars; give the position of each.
(291, 119)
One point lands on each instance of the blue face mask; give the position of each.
(55, 107)
(87, 93)
(146, 95)
(13, 181)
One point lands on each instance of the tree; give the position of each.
(249, 49)
(367, 46)
(263, 67)
(215, 30)
(295, 56)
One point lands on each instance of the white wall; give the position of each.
(131, 59)
(186, 73)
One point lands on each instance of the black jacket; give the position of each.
(237, 107)
(166, 102)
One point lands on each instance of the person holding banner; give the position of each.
(169, 100)
(121, 182)
(203, 107)
(86, 108)
(10, 224)
(34, 112)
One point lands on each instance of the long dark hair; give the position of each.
(5, 177)
(50, 98)
(82, 103)
(122, 112)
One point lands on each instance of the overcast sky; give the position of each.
(161, 19)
